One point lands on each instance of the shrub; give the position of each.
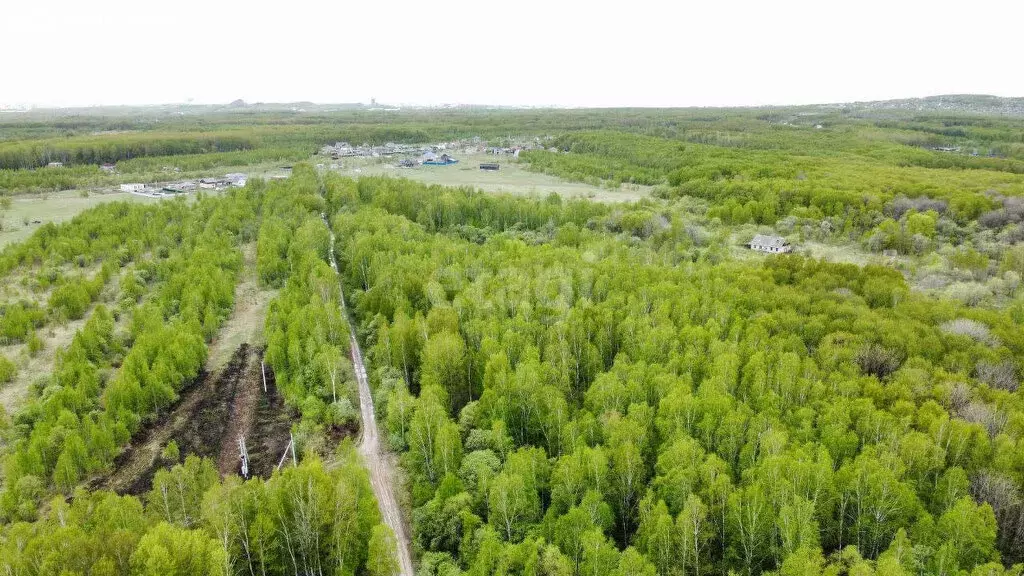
(878, 361)
(1001, 375)
(970, 293)
(7, 370)
(35, 344)
(171, 453)
(341, 413)
(970, 328)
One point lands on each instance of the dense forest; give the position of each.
(569, 387)
(567, 402)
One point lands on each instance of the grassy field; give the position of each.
(52, 207)
(512, 178)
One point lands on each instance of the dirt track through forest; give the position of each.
(378, 462)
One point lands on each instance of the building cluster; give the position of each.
(346, 150)
(466, 146)
(233, 179)
(435, 159)
(185, 186)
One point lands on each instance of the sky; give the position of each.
(519, 52)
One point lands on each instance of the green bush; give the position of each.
(7, 370)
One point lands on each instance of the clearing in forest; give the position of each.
(55, 336)
(512, 178)
(30, 368)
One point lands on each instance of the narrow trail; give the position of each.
(378, 462)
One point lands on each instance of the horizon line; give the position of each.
(26, 107)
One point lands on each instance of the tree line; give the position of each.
(305, 520)
(29, 154)
(307, 337)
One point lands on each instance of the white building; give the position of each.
(133, 187)
(770, 244)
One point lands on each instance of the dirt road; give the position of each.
(379, 463)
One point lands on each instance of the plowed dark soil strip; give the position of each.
(197, 424)
(246, 395)
(207, 422)
(270, 433)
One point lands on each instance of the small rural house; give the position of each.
(133, 187)
(236, 179)
(770, 244)
(442, 160)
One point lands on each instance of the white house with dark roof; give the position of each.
(770, 244)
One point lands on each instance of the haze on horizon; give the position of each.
(531, 53)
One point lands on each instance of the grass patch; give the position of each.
(512, 178)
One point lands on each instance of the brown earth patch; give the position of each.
(207, 422)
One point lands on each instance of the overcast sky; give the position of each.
(517, 52)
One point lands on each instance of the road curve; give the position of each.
(377, 461)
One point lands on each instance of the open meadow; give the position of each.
(29, 211)
(511, 178)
